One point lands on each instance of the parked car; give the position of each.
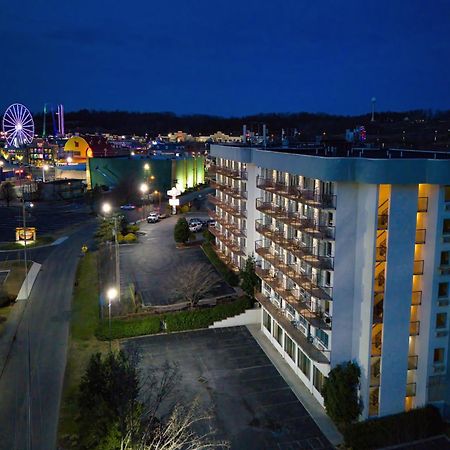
(162, 216)
(194, 220)
(153, 217)
(195, 227)
(128, 207)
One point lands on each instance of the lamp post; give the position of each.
(106, 208)
(144, 189)
(112, 295)
(159, 199)
(44, 169)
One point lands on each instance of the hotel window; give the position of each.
(441, 320)
(443, 290)
(446, 227)
(445, 258)
(318, 379)
(438, 355)
(278, 333)
(289, 347)
(267, 321)
(447, 194)
(304, 364)
(323, 337)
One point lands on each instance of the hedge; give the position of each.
(397, 429)
(203, 318)
(124, 328)
(229, 276)
(177, 321)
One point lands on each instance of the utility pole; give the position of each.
(116, 245)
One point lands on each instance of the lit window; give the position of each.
(318, 379)
(289, 347)
(447, 194)
(304, 364)
(441, 320)
(446, 227)
(445, 258)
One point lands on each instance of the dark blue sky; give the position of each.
(225, 56)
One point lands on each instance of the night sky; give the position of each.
(226, 57)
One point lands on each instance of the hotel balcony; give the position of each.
(305, 196)
(238, 194)
(295, 333)
(226, 171)
(291, 271)
(230, 209)
(232, 227)
(303, 252)
(294, 219)
(228, 241)
(226, 259)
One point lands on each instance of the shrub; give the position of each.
(132, 228)
(129, 238)
(177, 321)
(393, 430)
(203, 318)
(340, 394)
(120, 238)
(228, 275)
(185, 209)
(181, 232)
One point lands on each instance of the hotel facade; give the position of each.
(353, 252)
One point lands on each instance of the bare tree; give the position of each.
(193, 281)
(178, 432)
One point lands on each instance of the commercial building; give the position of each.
(353, 252)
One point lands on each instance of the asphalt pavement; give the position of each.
(46, 322)
(152, 263)
(251, 405)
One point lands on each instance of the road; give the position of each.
(152, 263)
(46, 319)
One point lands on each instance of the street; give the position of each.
(46, 321)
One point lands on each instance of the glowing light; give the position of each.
(146, 166)
(106, 208)
(144, 188)
(111, 294)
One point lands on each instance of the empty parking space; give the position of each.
(252, 405)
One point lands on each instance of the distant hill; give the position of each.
(417, 127)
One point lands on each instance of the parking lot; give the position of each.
(251, 404)
(151, 264)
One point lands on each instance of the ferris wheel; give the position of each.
(18, 125)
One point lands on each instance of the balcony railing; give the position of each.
(412, 362)
(228, 172)
(308, 283)
(306, 253)
(238, 194)
(230, 209)
(418, 267)
(414, 328)
(411, 389)
(226, 259)
(421, 235)
(294, 219)
(230, 226)
(305, 196)
(293, 331)
(228, 241)
(422, 204)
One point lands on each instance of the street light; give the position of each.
(111, 294)
(146, 166)
(107, 208)
(44, 169)
(159, 198)
(144, 189)
(69, 160)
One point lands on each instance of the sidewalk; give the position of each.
(14, 319)
(316, 411)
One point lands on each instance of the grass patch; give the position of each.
(4, 313)
(176, 321)
(82, 344)
(43, 240)
(13, 282)
(228, 275)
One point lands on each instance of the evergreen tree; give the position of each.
(181, 232)
(249, 279)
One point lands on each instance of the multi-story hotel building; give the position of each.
(353, 252)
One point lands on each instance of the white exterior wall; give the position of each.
(428, 308)
(252, 213)
(397, 297)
